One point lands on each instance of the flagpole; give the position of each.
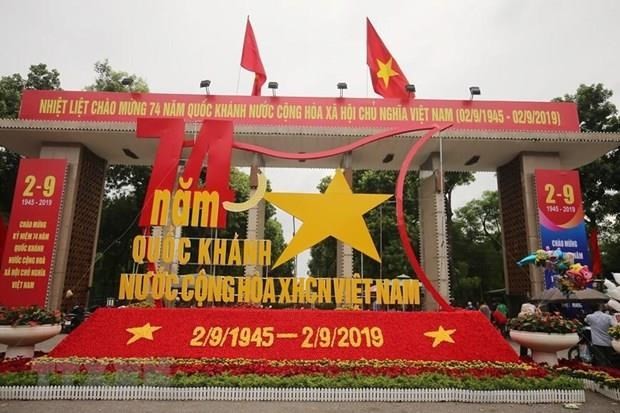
(239, 72)
(238, 79)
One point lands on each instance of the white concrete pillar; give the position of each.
(433, 229)
(256, 215)
(344, 252)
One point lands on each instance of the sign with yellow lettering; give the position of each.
(286, 335)
(202, 288)
(28, 254)
(300, 111)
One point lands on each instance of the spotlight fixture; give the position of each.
(388, 158)
(205, 84)
(410, 88)
(130, 153)
(473, 91)
(127, 81)
(273, 86)
(473, 160)
(341, 87)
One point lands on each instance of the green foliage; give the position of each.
(25, 316)
(19, 379)
(477, 249)
(452, 180)
(39, 77)
(421, 381)
(125, 188)
(10, 95)
(544, 323)
(9, 164)
(273, 232)
(600, 180)
(109, 80)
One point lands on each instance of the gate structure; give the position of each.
(91, 130)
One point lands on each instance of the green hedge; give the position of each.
(427, 381)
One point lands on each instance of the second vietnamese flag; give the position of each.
(388, 80)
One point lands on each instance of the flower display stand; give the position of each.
(20, 340)
(544, 345)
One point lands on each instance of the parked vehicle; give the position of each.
(74, 318)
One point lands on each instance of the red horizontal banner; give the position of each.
(286, 334)
(300, 111)
(28, 254)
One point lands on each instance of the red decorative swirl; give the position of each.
(400, 215)
(400, 220)
(327, 153)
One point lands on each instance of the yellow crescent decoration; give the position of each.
(253, 200)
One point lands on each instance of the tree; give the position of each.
(476, 249)
(453, 179)
(125, 187)
(41, 78)
(600, 180)
(479, 220)
(10, 95)
(110, 80)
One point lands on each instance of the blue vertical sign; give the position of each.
(560, 214)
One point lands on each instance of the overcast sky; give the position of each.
(514, 50)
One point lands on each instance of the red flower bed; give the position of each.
(240, 367)
(286, 334)
(578, 365)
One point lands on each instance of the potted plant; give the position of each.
(545, 334)
(23, 327)
(614, 333)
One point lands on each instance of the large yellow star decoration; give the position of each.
(338, 213)
(440, 335)
(146, 332)
(385, 71)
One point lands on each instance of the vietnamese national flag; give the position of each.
(595, 252)
(388, 80)
(250, 59)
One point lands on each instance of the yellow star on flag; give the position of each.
(337, 213)
(440, 335)
(385, 71)
(146, 332)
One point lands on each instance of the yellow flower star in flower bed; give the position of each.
(440, 335)
(146, 332)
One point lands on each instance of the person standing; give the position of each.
(502, 308)
(484, 309)
(600, 322)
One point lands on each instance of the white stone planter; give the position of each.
(20, 340)
(544, 345)
(616, 345)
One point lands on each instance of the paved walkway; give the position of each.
(594, 404)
